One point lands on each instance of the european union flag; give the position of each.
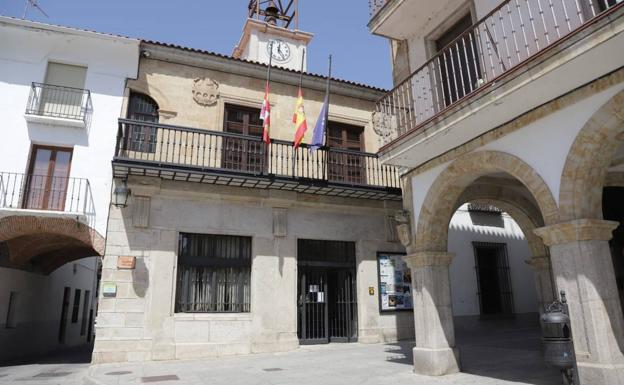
(318, 136)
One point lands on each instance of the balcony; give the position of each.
(58, 105)
(497, 62)
(375, 6)
(216, 157)
(45, 195)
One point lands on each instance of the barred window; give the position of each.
(142, 137)
(214, 274)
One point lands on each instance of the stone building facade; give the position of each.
(517, 106)
(143, 318)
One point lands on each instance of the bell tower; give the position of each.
(272, 29)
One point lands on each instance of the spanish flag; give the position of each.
(299, 118)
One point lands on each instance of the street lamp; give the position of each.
(121, 194)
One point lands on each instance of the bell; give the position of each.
(271, 12)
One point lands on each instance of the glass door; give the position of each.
(47, 179)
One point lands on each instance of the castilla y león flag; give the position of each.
(265, 115)
(299, 118)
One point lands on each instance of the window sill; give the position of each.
(212, 316)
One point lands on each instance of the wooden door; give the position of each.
(47, 179)
(344, 166)
(239, 153)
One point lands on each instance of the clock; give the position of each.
(279, 50)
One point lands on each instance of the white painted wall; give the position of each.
(25, 50)
(464, 287)
(39, 305)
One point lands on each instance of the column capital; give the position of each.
(577, 230)
(428, 258)
(538, 263)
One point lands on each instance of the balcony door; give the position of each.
(63, 91)
(240, 153)
(458, 66)
(47, 179)
(344, 166)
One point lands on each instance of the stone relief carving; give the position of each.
(384, 126)
(205, 91)
(404, 230)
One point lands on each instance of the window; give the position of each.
(214, 273)
(344, 166)
(85, 311)
(458, 67)
(48, 177)
(239, 153)
(11, 318)
(76, 308)
(142, 137)
(63, 94)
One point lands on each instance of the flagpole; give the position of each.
(294, 160)
(266, 144)
(327, 119)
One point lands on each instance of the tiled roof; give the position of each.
(190, 49)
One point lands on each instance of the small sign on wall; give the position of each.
(109, 289)
(126, 262)
(371, 290)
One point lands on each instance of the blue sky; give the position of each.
(339, 27)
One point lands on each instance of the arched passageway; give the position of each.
(49, 275)
(481, 177)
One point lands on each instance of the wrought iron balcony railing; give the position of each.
(240, 156)
(375, 6)
(44, 192)
(510, 35)
(59, 102)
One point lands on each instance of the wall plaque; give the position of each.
(126, 262)
(109, 289)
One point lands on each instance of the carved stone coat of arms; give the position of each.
(205, 91)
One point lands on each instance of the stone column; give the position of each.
(543, 280)
(582, 266)
(435, 353)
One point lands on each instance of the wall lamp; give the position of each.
(121, 194)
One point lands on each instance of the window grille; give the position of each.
(484, 208)
(142, 137)
(214, 274)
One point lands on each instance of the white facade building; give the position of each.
(61, 90)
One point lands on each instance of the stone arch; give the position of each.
(165, 107)
(43, 244)
(443, 195)
(520, 208)
(585, 170)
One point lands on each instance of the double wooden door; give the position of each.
(345, 166)
(47, 179)
(241, 151)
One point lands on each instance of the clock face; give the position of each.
(280, 51)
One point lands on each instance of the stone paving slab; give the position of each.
(332, 365)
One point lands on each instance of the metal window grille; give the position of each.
(59, 102)
(484, 208)
(493, 278)
(142, 108)
(214, 274)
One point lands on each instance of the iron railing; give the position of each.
(59, 102)
(43, 192)
(508, 36)
(248, 155)
(375, 6)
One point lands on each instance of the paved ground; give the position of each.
(505, 356)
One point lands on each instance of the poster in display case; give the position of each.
(395, 282)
